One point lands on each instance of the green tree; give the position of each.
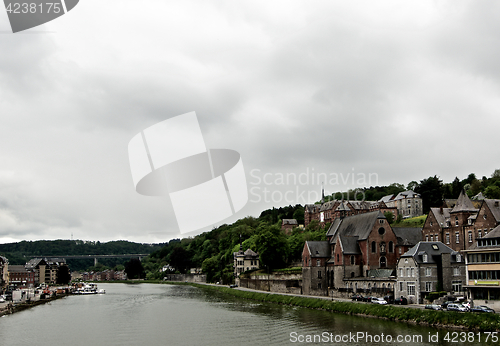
(134, 269)
(431, 190)
(179, 259)
(492, 191)
(299, 215)
(63, 275)
(389, 216)
(272, 247)
(210, 267)
(412, 185)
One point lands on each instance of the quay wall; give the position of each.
(186, 277)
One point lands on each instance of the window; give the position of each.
(459, 258)
(428, 286)
(479, 233)
(426, 237)
(447, 238)
(485, 217)
(470, 236)
(374, 247)
(353, 260)
(456, 286)
(401, 272)
(408, 272)
(428, 271)
(430, 223)
(436, 237)
(410, 288)
(412, 272)
(319, 285)
(432, 237)
(381, 230)
(391, 246)
(382, 247)
(381, 221)
(456, 271)
(400, 287)
(352, 274)
(319, 275)
(456, 221)
(457, 237)
(338, 258)
(424, 257)
(318, 263)
(400, 250)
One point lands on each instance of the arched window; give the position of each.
(353, 260)
(374, 247)
(382, 247)
(383, 262)
(338, 258)
(391, 246)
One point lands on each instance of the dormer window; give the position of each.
(424, 257)
(459, 257)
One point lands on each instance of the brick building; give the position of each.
(459, 226)
(361, 252)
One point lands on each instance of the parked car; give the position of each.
(357, 298)
(389, 299)
(482, 308)
(367, 299)
(433, 307)
(401, 301)
(233, 286)
(380, 301)
(445, 304)
(456, 307)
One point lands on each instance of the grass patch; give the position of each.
(473, 321)
(417, 221)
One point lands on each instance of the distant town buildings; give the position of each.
(4, 272)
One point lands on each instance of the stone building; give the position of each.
(244, 261)
(327, 212)
(45, 269)
(4, 272)
(459, 226)
(408, 203)
(288, 225)
(429, 267)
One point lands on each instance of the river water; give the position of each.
(149, 314)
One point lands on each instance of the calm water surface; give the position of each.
(149, 314)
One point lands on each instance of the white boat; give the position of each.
(87, 289)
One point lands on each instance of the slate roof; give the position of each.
(248, 254)
(409, 236)
(407, 194)
(318, 248)
(441, 218)
(3, 260)
(343, 207)
(495, 210)
(328, 205)
(381, 273)
(386, 198)
(427, 247)
(349, 245)
(495, 233)
(359, 225)
(478, 197)
(290, 222)
(463, 204)
(33, 263)
(17, 269)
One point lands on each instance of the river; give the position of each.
(152, 314)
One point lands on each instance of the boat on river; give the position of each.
(88, 288)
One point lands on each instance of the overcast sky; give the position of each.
(389, 91)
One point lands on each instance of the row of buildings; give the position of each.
(105, 275)
(405, 204)
(35, 272)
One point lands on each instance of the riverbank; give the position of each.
(10, 308)
(441, 319)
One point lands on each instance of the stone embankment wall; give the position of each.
(278, 282)
(186, 277)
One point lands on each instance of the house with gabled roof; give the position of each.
(459, 226)
(287, 225)
(430, 267)
(245, 261)
(408, 203)
(360, 254)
